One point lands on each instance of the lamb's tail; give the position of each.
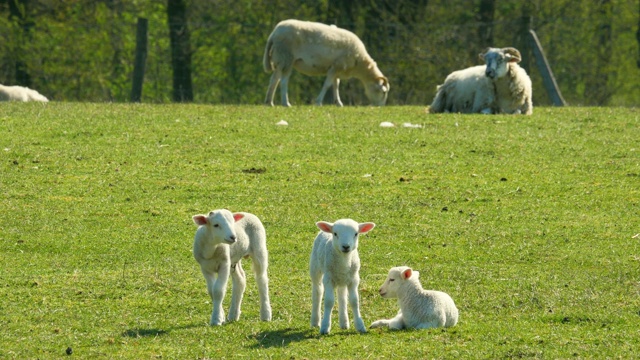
(439, 102)
(266, 60)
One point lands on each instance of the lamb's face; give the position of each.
(396, 277)
(377, 91)
(221, 224)
(345, 233)
(498, 60)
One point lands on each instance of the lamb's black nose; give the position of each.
(345, 248)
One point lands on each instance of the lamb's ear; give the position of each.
(365, 227)
(237, 216)
(513, 55)
(325, 226)
(406, 274)
(200, 220)
(483, 53)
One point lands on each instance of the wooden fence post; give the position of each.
(548, 79)
(140, 60)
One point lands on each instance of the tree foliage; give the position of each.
(81, 50)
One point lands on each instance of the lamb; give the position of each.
(335, 264)
(20, 93)
(419, 308)
(317, 49)
(221, 241)
(500, 86)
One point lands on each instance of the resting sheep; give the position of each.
(499, 86)
(318, 49)
(335, 264)
(419, 308)
(221, 241)
(20, 93)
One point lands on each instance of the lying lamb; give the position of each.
(500, 86)
(20, 93)
(419, 308)
(221, 241)
(319, 49)
(335, 264)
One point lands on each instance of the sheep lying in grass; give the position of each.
(20, 93)
(220, 243)
(335, 264)
(420, 309)
(319, 49)
(499, 86)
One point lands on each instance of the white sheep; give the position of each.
(499, 86)
(335, 264)
(419, 308)
(221, 241)
(20, 93)
(317, 49)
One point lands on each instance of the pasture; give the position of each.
(530, 223)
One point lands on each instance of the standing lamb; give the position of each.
(335, 264)
(221, 241)
(317, 49)
(500, 86)
(419, 308)
(20, 93)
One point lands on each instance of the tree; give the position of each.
(180, 50)
(485, 15)
(19, 12)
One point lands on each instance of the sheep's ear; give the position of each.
(483, 53)
(200, 220)
(325, 226)
(406, 274)
(512, 54)
(237, 216)
(365, 227)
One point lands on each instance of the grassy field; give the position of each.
(531, 224)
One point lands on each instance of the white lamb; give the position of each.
(318, 49)
(335, 264)
(499, 86)
(419, 308)
(220, 243)
(20, 93)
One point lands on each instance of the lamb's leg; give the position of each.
(355, 306)
(342, 307)
(317, 289)
(284, 86)
(239, 280)
(217, 288)
(273, 84)
(395, 323)
(336, 92)
(329, 300)
(328, 82)
(260, 269)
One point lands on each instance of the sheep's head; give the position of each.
(377, 91)
(397, 276)
(498, 60)
(345, 233)
(220, 223)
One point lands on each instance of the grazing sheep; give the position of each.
(221, 241)
(20, 93)
(500, 86)
(335, 264)
(319, 49)
(419, 308)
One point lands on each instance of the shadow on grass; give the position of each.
(282, 337)
(137, 333)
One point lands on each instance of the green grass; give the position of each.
(529, 223)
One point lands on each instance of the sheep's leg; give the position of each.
(217, 288)
(260, 270)
(273, 84)
(331, 80)
(397, 323)
(284, 86)
(329, 300)
(239, 280)
(342, 307)
(355, 306)
(317, 289)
